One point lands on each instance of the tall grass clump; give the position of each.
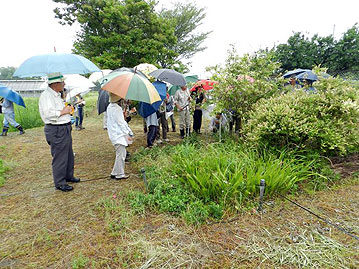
(229, 173)
(200, 181)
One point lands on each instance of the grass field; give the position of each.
(95, 226)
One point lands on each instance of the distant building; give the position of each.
(27, 88)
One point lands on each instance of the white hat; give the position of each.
(55, 77)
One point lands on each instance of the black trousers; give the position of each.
(60, 140)
(151, 135)
(197, 120)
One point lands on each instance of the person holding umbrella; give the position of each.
(9, 117)
(57, 119)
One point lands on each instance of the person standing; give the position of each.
(182, 100)
(120, 135)
(162, 121)
(151, 126)
(57, 119)
(197, 115)
(170, 110)
(9, 117)
(79, 103)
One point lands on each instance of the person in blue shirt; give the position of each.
(9, 117)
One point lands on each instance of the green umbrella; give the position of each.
(189, 79)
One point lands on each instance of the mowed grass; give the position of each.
(95, 227)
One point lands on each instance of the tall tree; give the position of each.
(186, 18)
(302, 52)
(340, 57)
(118, 33)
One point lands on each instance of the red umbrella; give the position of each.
(206, 84)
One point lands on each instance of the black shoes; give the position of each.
(73, 180)
(64, 188)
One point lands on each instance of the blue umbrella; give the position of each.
(11, 95)
(66, 63)
(308, 74)
(146, 109)
(295, 72)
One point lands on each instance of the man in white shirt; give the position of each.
(57, 119)
(182, 100)
(120, 135)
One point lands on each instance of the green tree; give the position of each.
(346, 53)
(119, 33)
(185, 19)
(302, 52)
(340, 57)
(6, 73)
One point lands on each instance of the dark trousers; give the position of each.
(164, 125)
(236, 121)
(60, 140)
(197, 120)
(151, 135)
(80, 117)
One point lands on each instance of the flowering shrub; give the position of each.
(325, 121)
(243, 81)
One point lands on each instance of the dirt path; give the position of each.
(44, 228)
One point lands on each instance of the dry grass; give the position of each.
(93, 226)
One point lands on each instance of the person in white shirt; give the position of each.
(120, 135)
(182, 100)
(57, 119)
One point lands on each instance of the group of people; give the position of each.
(182, 101)
(57, 116)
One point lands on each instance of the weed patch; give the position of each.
(200, 181)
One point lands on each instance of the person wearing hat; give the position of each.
(57, 119)
(120, 135)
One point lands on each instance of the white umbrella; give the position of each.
(94, 77)
(146, 68)
(76, 91)
(75, 84)
(78, 81)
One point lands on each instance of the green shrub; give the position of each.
(325, 121)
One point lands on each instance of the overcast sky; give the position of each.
(28, 27)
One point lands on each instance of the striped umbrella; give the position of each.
(130, 85)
